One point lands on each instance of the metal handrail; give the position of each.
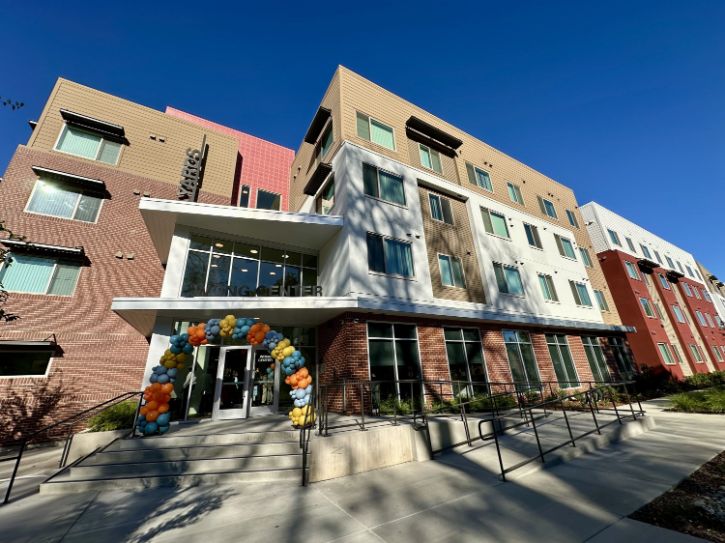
(305, 433)
(70, 422)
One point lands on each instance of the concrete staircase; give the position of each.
(192, 456)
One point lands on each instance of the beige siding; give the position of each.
(142, 156)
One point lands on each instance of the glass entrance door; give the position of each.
(264, 392)
(232, 383)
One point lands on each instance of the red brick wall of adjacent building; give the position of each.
(344, 356)
(712, 336)
(102, 356)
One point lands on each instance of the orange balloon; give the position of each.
(152, 416)
(152, 405)
(293, 380)
(164, 408)
(143, 410)
(303, 372)
(167, 388)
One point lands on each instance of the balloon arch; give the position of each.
(154, 416)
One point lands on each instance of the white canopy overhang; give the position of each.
(303, 230)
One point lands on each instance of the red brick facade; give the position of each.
(102, 356)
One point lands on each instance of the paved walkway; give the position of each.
(586, 499)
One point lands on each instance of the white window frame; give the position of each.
(696, 353)
(630, 244)
(644, 300)
(31, 376)
(630, 268)
(679, 314)
(98, 151)
(577, 296)
(664, 282)
(463, 272)
(549, 280)
(432, 195)
(5, 264)
(614, 237)
(666, 354)
(75, 209)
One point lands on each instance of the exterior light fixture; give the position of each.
(253, 251)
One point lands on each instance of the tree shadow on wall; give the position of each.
(26, 410)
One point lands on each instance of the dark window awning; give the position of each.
(318, 177)
(318, 123)
(444, 191)
(674, 276)
(56, 175)
(113, 132)
(21, 345)
(427, 134)
(44, 249)
(647, 264)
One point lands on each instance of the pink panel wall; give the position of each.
(265, 165)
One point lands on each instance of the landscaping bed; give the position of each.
(711, 400)
(696, 506)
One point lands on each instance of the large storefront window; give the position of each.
(465, 360)
(622, 357)
(595, 356)
(216, 267)
(521, 357)
(562, 360)
(393, 351)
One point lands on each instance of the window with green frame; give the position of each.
(522, 362)
(595, 357)
(563, 362)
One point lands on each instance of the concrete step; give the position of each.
(186, 467)
(198, 452)
(65, 484)
(191, 440)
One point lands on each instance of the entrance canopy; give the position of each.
(303, 230)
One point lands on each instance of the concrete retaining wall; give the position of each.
(87, 442)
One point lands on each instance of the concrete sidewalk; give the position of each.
(585, 499)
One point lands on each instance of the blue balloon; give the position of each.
(171, 372)
(174, 339)
(308, 390)
(163, 419)
(185, 337)
(150, 428)
(163, 379)
(154, 378)
(159, 370)
(174, 349)
(188, 348)
(163, 429)
(245, 329)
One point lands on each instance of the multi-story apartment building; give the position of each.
(73, 192)
(717, 291)
(412, 250)
(661, 292)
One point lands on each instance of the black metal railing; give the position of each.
(305, 433)
(67, 427)
(589, 400)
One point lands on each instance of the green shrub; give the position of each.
(115, 417)
(392, 405)
(711, 400)
(704, 380)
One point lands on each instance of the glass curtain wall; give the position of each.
(522, 361)
(465, 361)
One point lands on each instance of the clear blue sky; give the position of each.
(623, 101)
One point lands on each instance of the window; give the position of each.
(630, 245)
(375, 131)
(658, 310)
(85, 144)
(666, 355)
(393, 354)
(706, 295)
(658, 258)
(494, 223)
(717, 352)
(478, 177)
(39, 275)
(547, 208)
(679, 315)
(524, 370)
(219, 267)
(325, 142)
(386, 255)
(532, 234)
(663, 281)
(614, 237)
(515, 193)
(621, 356)
(697, 272)
(595, 357)
(546, 282)
(645, 278)
(696, 354)
(430, 158)
(689, 271)
(572, 218)
(696, 292)
(24, 363)
(326, 200)
(566, 248)
(63, 200)
(383, 185)
(440, 208)
(645, 251)
(244, 196)
(451, 271)
(670, 263)
(700, 318)
(709, 320)
(563, 362)
(676, 351)
(679, 266)
(585, 257)
(508, 279)
(581, 294)
(687, 290)
(631, 269)
(268, 200)
(601, 300)
(647, 307)
(465, 360)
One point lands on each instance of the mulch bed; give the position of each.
(696, 506)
